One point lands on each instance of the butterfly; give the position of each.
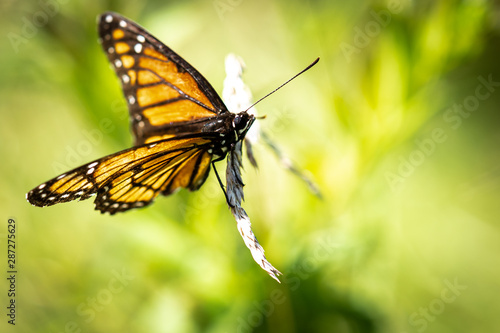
(180, 126)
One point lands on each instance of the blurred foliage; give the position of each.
(395, 123)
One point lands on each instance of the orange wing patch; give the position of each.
(118, 34)
(146, 77)
(155, 94)
(122, 47)
(133, 77)
(153, 53)
(128, 61)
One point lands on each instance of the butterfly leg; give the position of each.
(220, 181)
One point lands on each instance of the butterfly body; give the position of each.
(180, 126)
(228, 126)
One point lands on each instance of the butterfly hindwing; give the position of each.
(131, 178)
(162, 90)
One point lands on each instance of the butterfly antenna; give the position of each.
(281, 86)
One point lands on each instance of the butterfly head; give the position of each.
(242, 123)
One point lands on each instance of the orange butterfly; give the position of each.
(179, 122)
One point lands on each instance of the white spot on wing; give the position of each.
(108, 18)
(118, 63)
(111, 50)
(141, 39)
(42, 186)
(138, 48)
(125, 78)
(90, 171)
(123, 24)
(91, 165)
(131, 99)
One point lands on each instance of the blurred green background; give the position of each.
(398, 124)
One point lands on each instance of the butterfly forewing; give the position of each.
(133, 177)
(162, 90)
